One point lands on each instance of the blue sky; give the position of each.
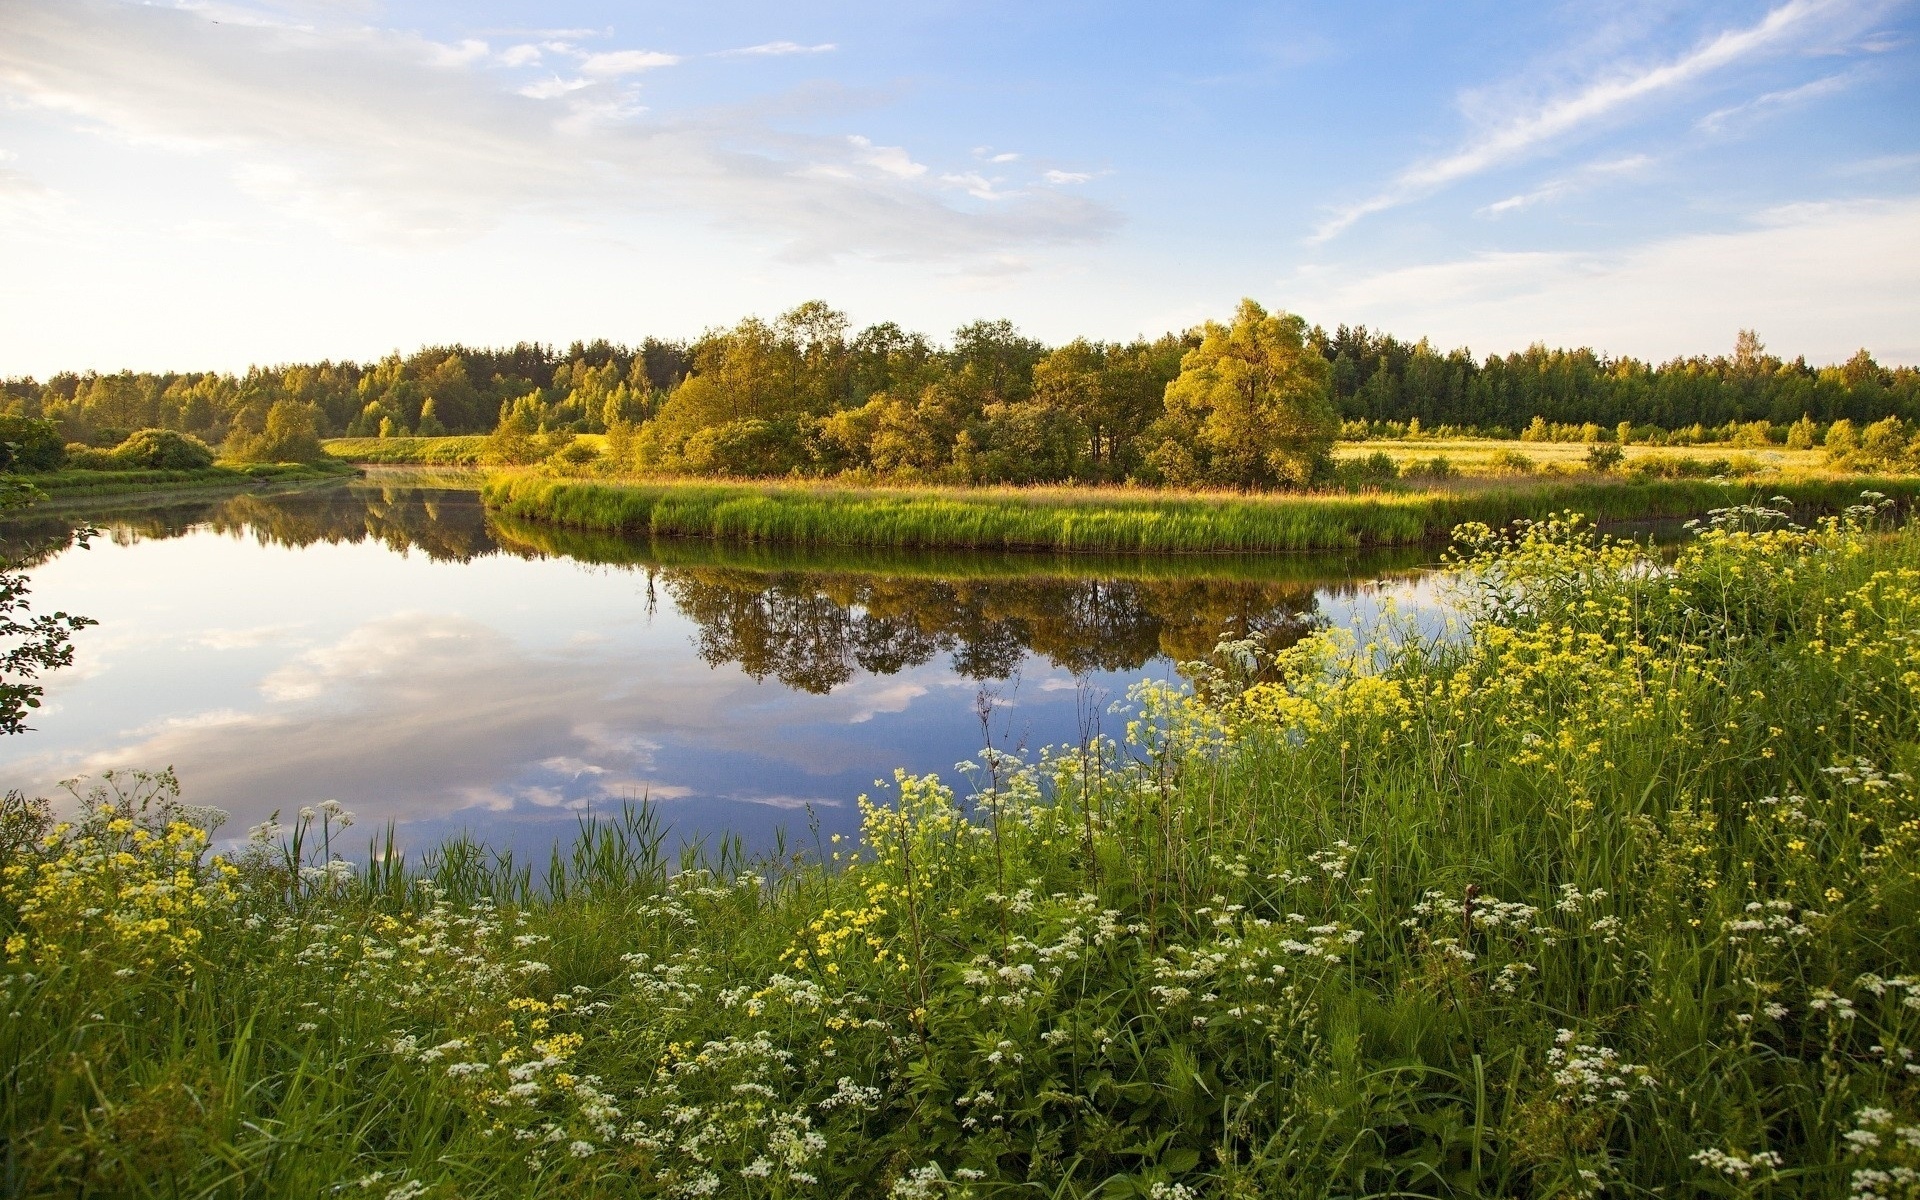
(212, 184)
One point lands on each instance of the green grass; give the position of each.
(538, 538)
(1615, 892)
(1109, 521)
(458, 451)
(71, 484)
(1479, 456)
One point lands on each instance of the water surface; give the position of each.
(388, 644)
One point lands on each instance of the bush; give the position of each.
(290, 435)
(30, 444)
(1802, 434)
(1604, 456)
(1511, 462)
(1374, 471)
(82, 457)
(162, 450)
(1437, 467)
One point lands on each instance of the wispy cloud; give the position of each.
(1062, 177)
(1718, 120)
(615, 63)
(386, 136)
(1667, 296)
(1529, 131)
(776, 49)
(1566, 185)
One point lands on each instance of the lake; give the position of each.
(387, 643)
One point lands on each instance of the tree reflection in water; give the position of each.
(812, 618)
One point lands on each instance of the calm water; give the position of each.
(389, 645)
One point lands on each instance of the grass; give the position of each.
(1479, 457)
(457, 451)
(1614, 891)
(1114, 521)
(74, 484)
(537, 538)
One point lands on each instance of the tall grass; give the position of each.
(1111, 521)
(539, 538)
(1613, 892)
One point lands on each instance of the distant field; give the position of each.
(461, 451)
(1476, 456)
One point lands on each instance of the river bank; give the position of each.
(1121, 521)
(72, 485)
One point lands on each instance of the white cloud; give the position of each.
(381, 137)
(614, 63)
(1716, 121)
(1529, 131)
(1566, 185)
(776, 49)
(891, 160)
(975, 184)
(554, 88)
(1816, 279)
(1062, 177)
(465, 52)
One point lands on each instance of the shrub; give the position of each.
(1604, 456)
(1802, 434)
(575, 454)
(82, 457)
(1511, 462)
(1374, 471)
(1437, 467)
(162, 450)
(30, 444)
(290, 435)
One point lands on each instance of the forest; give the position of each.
(807, 395)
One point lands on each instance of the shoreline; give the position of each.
(1108, 521)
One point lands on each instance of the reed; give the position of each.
(1113, 521)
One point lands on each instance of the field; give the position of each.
(461, 451)
(1478, 457)
(1613, 893)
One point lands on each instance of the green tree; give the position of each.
(290, 434)
(30, 444)
(1252, 402)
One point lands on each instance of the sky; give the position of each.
(194, 186)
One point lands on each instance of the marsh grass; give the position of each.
(1330, 568)
(1119, 521)
(1610, 892)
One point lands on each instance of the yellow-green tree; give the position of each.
(1251, 405)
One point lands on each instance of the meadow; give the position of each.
(1610, 890)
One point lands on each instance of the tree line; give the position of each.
(1254, 401)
